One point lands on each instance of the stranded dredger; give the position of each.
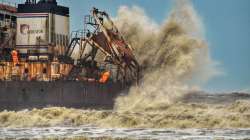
(42, 64)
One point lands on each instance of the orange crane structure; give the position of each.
(101, 34)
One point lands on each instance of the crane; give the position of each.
(101, 34)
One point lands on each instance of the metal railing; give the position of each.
(77, 34)
(8, 3)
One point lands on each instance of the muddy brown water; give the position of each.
(198, 116)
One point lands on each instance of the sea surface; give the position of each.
(138, 134)
(198, 117)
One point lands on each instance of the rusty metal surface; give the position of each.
(8, 7)
(28, 95)
(43, 71)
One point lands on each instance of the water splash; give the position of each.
(174, 56)
(179, 115)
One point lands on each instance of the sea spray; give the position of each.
(172, 55)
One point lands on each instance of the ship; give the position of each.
(43, 64)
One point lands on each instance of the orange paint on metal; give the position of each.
(8, 8)
(105, 76)
(15, 57)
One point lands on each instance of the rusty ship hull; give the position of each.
(18, 95)
(43, 65)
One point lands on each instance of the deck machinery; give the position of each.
(49, 67)
(100, 41)
(7, 28)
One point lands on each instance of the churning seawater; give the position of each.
(121, 133)
(199, 116)
(173, 55)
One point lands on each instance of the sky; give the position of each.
(227, 26)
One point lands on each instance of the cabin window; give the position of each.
(13, 19)
(7, 19)
(1, 17)
(26, 70)
(44, 70)
(7, 16)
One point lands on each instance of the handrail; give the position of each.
(8, 3)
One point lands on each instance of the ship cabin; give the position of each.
(33, 36)
(8, 20)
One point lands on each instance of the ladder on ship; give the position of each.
(76, 37)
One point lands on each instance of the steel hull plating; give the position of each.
(17, 95)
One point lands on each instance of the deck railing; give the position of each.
(8, 3)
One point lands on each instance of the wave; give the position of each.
(190, 112)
